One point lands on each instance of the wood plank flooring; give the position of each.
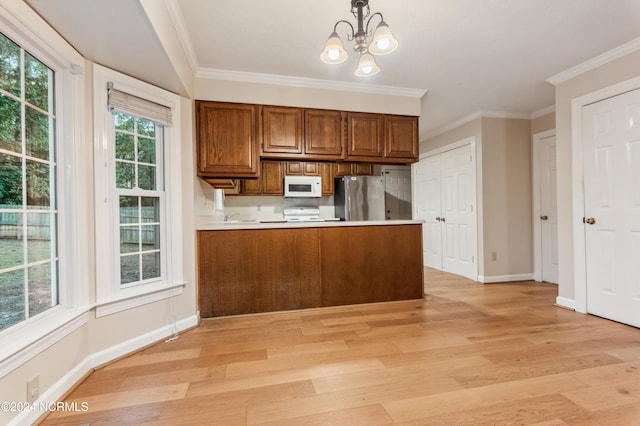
(469, 354)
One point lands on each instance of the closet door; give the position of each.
(458, 212)
(427, 207)
(445, 198)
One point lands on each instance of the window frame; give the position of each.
(112, 297)
(26, 339)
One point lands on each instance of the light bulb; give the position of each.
(383, 43)
(333, 54)
(367, 69)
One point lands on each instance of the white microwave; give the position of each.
(303, 186)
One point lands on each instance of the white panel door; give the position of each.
(397, 187)
(548, 210)
(458, 210)
(444, 197)
(427, 207)
(611, 138)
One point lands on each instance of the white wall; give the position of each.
(504, 191)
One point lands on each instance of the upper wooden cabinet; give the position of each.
(324, 133)
(302, 133)
(401, 137)
(382, 138)
(364, 136)
(282, 131)
(227, 140)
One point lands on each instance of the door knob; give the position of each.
(544, 217)
(590, 221)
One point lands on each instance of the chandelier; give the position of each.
(382, 42)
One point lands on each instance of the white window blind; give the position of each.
(130, 104)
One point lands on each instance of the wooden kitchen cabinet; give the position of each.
(324, 133)
(352, 169)
(401, 137)
(364, 136)
(302, 168)
(270, 182)
(326, 173)
(263, 270)
(282, 131)
(302, 133)
(382, 138)
(227, 139)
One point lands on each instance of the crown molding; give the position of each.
(474, 116)
(310, 83)
(543, 111)
(175, 13)
(596, 62)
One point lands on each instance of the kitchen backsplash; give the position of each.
(250, 207)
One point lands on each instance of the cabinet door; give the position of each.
(227, 140)
(251, 186)
(310, 169)
(352, 169)
(364, 135)
(270, 182)
(341, 169)
(401, 137)
(360, 169)
(281, 130)
(293, 168)
(272, 177)
(324, 133)
(326, 173)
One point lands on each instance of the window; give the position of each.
(137, 164)
(28, 213)
(139, 184)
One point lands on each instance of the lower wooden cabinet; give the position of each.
(264, 270)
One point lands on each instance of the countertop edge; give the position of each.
(289, 225)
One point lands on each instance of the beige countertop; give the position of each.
(270, 224)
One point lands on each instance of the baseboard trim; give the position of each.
(68, 381)
(505, 278)
(563, 302)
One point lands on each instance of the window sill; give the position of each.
(123, 304)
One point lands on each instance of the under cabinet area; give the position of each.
(271, 179)
(243, 271)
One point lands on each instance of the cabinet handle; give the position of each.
(438, 218)
(590, 221)
(442, 219)
(544, 217)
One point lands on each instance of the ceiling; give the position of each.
(467, 55)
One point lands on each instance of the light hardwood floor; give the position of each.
(469, 354)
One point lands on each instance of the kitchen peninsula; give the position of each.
(250, 267)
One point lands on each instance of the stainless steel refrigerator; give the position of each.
(359, 198)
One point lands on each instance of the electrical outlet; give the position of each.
(33, 389)
(494, 256)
